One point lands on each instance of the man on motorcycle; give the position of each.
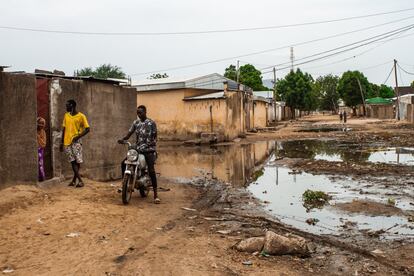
(146, 135)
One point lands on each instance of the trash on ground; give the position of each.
(189, 209)
(73, 235)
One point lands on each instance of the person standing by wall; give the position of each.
(41, 145)
(75, 126)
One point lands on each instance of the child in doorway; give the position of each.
(41, 144)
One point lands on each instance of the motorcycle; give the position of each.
(135, 175)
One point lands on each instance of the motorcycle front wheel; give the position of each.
(127, 188)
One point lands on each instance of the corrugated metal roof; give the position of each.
(210, 96)
(261, 99)
(213, 81)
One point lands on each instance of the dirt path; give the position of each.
(139, 239)
(69, 231)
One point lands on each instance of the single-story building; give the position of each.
(186, 108)
(406, 108)
(268, 96)
(380, 108)
(262, 107)
(109, 107)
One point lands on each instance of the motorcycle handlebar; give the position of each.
(124, 142)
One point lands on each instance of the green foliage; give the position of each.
(231, 72)
(382, 91)
(158, 76)
(248, 75)
(257, 174)
(349, 90)
(328, 94)
(103, 72)
(412, 84)
(391, 201)
(296, 89)
(315, 199)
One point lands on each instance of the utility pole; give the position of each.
(238, 72)
(398, 91)
(362, 95)
(292, 58)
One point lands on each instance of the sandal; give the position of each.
(157, 201)
(80, 185)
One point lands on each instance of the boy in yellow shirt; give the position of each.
(75, 126)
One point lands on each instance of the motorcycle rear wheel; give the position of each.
(127, 188)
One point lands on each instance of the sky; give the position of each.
(139, 55)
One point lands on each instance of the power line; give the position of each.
(399, 72)
(201, 32)
(272, 49)
(407, 72)
(360, 54)
(381, 36)
(392, 69)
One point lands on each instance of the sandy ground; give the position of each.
(112, 239)
(68, 231)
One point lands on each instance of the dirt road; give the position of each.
(111, 239)
(68, 231)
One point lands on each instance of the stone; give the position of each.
(251, 245)
(285, 245)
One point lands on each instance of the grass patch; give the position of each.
(315, 199)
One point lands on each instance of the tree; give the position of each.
(231, 72)
(325, 87)
(349, 89)
(382, 91)
(103, 72)
(296, 90)
(158, 76)
(248, 75)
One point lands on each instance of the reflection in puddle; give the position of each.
(231, 164)
(283, 189)
(330, 150)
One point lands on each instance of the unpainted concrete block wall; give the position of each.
(110, 110)
(18, 142)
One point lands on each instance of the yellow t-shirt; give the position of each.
(74, 125)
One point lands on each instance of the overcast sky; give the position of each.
(25, 50)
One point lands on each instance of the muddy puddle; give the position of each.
(331, 150)
(254, 167)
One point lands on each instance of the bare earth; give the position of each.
(68, 231)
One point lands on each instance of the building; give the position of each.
(267, 97)
(109, 107)
(188, 108)
(380, 108)
(406, 108)
(404, 90)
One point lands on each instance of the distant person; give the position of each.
(345, 117)
(75, 126)
(340, 116)
(41, 145)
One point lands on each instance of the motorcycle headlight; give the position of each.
(132, 155)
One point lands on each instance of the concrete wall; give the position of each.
(410, 113)
(181, 120)
(18, 142)
(260, 114)
(110, 110)
(380, 111)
